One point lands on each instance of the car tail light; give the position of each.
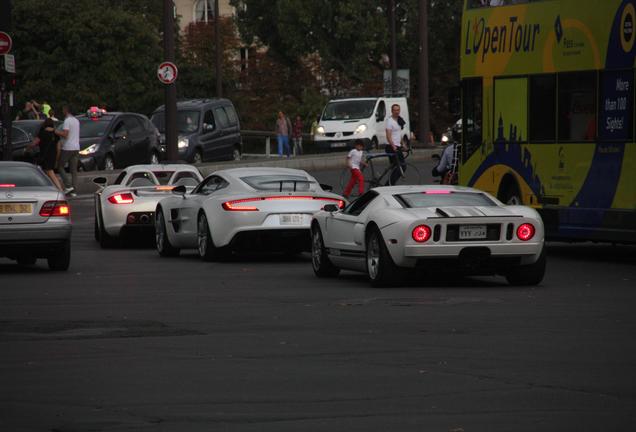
(7, 185)
(235, 205)
(238, 205)
(525, 232)
(55, 208)
(421, 233)
(121, 198)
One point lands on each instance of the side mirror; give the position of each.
(326, 187)
(378, 118)
(179, 190)
(120, 135)
(208, 127)
(331, 208)
(100, 181)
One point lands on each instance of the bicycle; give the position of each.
(410, 176)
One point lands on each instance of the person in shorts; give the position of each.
(47, 141)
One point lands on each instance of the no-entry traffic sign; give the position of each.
(5, 43)
(167, 72)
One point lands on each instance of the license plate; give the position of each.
(291, 219)
(472, 232)
(338, 144)
(16, 208)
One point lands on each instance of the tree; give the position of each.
(103, 52)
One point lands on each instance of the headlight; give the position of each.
(183, 143)
(320, 130)
(444, 138)
(89, 150)
(360, 129)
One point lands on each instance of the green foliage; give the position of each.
(88, 52)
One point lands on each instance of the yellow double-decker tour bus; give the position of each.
(548, 111)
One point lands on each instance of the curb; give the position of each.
(320, 162)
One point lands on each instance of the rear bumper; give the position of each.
(272, 240)
(472, 255)
(37, 240)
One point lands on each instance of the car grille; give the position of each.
(333, 134)
(493, 233)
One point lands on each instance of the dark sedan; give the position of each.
(116, 140)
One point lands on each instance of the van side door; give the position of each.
(210, 136)
(380, 123)
(233, 130)
(222, 121)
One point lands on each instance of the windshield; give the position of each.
(187, 121)
(349, 110)
(94, 128)
(23, 177)
(445, 199)
(280, 183)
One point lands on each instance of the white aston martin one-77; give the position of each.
(389, 230)
(246, 209)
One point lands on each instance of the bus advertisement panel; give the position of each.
(548, 111)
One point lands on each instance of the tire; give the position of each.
(154, 158)
(320, 262)
(106, 241)
(198, 157)
(531, 274)
(236, 153)
(26, 260)
(205, 244)
(162, 242)
(509, 193)
(381, 270)
(109, 163)
(61, 258)
(411, 176)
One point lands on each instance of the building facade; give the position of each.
(191, 11)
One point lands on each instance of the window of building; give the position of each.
(542, 115)
(471, 125)
(204, 10)
(577, 106)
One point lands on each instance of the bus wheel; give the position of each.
(509, 192)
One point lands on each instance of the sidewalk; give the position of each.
(309, 163)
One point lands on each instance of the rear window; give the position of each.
(280, 183)
(445, 199)
(163, 176)
(23, 177)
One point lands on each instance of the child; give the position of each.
(354, 161)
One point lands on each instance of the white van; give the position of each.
(345, 120)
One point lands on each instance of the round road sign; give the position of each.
(5, 43)
(167, 72)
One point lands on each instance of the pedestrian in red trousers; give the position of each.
(354, 162)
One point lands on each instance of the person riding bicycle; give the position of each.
(446, 168)
(394, 126)
(354, 162)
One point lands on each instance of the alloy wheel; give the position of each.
(202, 236)
(316, 249)
(373, 256)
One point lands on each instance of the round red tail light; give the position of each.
(525, 232)
(421, 233)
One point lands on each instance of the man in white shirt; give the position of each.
(394, 125)
(68, 150)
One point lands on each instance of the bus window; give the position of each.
(577, 106)
(542, 116)
(472, 116)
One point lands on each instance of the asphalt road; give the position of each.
(128, 341)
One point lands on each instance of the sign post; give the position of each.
(169, 73)
(7, 71)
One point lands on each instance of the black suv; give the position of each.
(116, 140)
(208, 129)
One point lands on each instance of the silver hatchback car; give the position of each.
(35, 219)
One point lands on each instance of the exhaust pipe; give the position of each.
(144, 219)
